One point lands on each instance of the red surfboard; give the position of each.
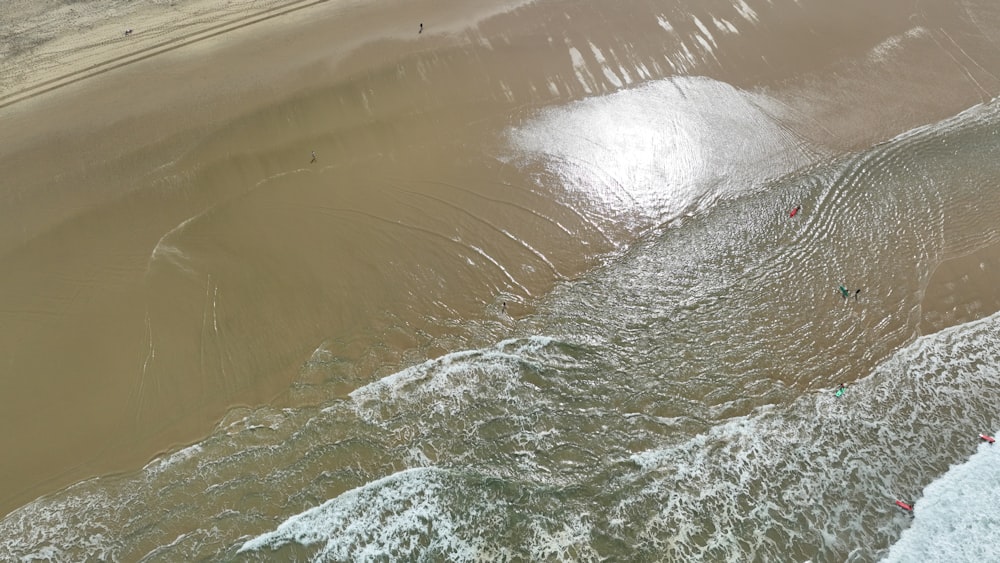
(987, 438)
(904, 506)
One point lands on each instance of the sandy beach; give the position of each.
(47, 45)
(170, 251)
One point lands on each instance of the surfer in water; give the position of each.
(844, 292)
(313, 157)
(856, 294)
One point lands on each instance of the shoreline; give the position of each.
(122, 142)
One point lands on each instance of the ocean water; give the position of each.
(673, 404)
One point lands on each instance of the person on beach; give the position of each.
(856, 294)
(313, 157)
(421, 28)
(503, 308)
(795, 211)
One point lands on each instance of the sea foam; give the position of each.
(958, 516)
(431, 514)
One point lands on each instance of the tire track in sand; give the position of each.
(167, 45)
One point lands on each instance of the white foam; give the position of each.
(583, 75)
(451, 380)
(724, 25)
(571, 541)
(664, 23)
(429, 513)
(746, 11)
(625, 74)
(508, 94)
(689, 58)
(608, 73)
(706, 36)
(162, 463)
(164, 250)
(894, 44)
(958, 517)
(59, 529)
(704, 43)
(840, 463)
(317, 524)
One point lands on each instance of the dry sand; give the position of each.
(169, 251)
(47, 44)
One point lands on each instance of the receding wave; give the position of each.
(432, 513)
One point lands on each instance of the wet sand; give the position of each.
(962, 289)
(169, 250)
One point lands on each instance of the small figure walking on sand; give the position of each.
(503, 308)
(795, 211)
(421, 28)
(313, 157)
(856, 294)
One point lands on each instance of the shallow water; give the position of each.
(676, 402)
